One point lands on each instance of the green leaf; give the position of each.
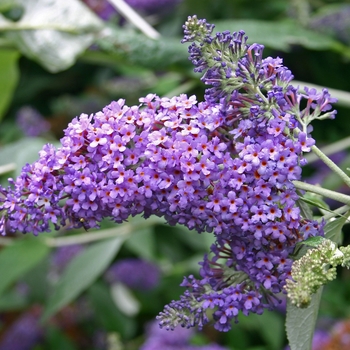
(57, 340)
(312, 241)
(137, 49)
(300, 323)
(269, 326)
(142, 242)
(17, 259)
(333, 229)
(279, 35)
(26, 150)
(316, 200)
(271, 329)
(81, 272)
(11, 301)
(6, 5)
(53, 32)
(109, 317)
(9, 75)
(305, 209)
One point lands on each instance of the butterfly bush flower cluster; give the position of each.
(31, 122)
(135, 273)
(225, 165)
(180, 339)
(24, 333)
(314, 269)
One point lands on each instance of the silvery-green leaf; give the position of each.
(53, 32)
(300, 323)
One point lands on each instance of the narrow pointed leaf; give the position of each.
(300, 323)
(9, 75)
(82, 271)
(19, 258)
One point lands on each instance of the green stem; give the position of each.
(331, 165)
(329, 150)
(128, 12)
(339, 197)
(337, 212)
(7, 168)
(19, 26)
(124, 229)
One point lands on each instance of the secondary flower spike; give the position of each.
(225, 165)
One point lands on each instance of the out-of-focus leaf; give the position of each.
(57, 340)
(8, 77)
(81, 272)
(137, 49)
(36, 282)
(12, 301)
(21, 152)
(142, 242)
(300, 323)
(124, 300)
(279, 35)
(54, 32)
(17, 259)
(192, 238)
(111, 319)
(5, 5)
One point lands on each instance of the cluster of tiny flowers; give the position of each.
(317, 267)
(239, 75)
(250, 260)
(135, 273)
(225, 165)
(163, 157)
(335, 22)
(24, 333)
(31, 122)
(62, 256)
(178, 340)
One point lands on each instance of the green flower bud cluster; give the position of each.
(314, 269)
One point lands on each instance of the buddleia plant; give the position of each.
(229, 165)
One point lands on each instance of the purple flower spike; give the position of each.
(24, 333)
(135, 273)
(225, 165)
(31, 122)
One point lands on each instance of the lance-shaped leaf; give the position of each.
(82, 271)
(52, 32)
(8, 77)
(19, 258)
(300, 323)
